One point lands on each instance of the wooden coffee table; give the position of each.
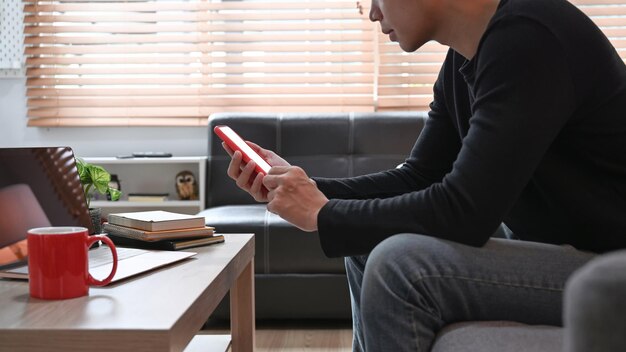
(157, 311)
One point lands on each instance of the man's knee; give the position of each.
(407, 251)
(399, 261)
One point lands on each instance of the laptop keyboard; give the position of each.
(103, 255)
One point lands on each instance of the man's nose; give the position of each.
(375, 14)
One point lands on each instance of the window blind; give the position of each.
(139, 62)
(405, 80)
(610, 16)
(174, 62)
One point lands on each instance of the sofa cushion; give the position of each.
(280, 246)
(501, 336)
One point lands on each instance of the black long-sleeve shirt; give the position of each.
(531, 131)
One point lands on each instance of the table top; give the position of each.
(165, 306)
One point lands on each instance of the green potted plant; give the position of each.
(95, 178)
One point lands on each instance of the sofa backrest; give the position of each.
(323, 144)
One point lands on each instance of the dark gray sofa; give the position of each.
(294, 280)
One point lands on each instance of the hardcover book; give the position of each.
(151, 236)
(167, 245)
(157, 220)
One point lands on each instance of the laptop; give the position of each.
(40, 187)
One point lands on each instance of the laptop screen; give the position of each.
(38, 187)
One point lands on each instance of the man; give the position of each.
(527, 127)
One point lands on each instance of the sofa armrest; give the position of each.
(595, 305)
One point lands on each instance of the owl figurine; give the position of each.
(186, 186)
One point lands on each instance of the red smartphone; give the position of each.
(234, 142)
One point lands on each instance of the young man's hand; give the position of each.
(244, 174)
(294, 196)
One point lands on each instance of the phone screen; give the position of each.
(235, 142)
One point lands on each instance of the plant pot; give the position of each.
(96, 219)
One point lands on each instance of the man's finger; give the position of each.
(270, 181)
(254, 146)
(227, 149)
(246, 173)
(255, 188)
(277, 170)
(234, 168)
(270, 198)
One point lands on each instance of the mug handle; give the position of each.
(91, 280)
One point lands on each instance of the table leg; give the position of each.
(242, 324)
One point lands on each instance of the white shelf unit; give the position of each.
(152, 175)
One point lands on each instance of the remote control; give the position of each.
(152, 155)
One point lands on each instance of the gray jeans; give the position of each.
(410, 286)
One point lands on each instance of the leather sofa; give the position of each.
(293, 278)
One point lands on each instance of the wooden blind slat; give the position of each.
(48, 105)
(597, 2)
(425, 79)
(201, 109)
(199, 38)
(424, 57)
(161, 93)
(185, 81)
(200, 27)
(125, 60)
(198, 48)
(186, 17)
(409, 69)
(89, 121)
(593, 11)
(200, 120)
(423, 90)
(386, 48)
(151, 6)
(405, 103)
(230, 69)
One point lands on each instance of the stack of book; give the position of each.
(159, 230)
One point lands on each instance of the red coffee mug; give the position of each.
(58, 262)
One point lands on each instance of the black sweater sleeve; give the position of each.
(522, 97)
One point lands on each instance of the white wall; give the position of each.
(94, 141)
